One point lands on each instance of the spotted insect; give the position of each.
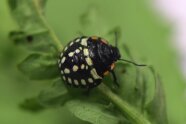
(86, 60)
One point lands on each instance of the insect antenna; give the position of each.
(132, 62)
(116, 45)
(116, 38)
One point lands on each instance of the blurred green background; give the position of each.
(142, 30)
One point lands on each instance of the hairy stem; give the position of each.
(51, 32)
(124, 107)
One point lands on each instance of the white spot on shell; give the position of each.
(65, 48)
(86, 52)
(64, 78)
(84, 42)
(82, 66)
(80, 48)
(71, 43)
(63, 60)
(59, 65)
(76, 82)
(94, 74)
(61, 54)
(62, 72)
(75, 68)
(66, 71)
(83, 82)
(90, 80)
(77, 40)
(77, 51)
(88, 60)
(71, 54)
(69, 80)
(86, 67)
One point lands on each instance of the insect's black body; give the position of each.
(86, 60)
(102, 54)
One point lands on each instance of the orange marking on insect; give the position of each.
(112, 66)
(106, 73)
(104, 41)
(94, 38)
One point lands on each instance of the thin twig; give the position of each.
(126, 109)
(44, 21)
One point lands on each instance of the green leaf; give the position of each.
(39, 66)
(143, 90)
(157, 107)
(26, 13)
(32, 104)
(34, 32)
(37, 41)
(56, 95)
(92, 112)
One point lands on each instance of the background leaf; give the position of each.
(37, 41)
(92, 112)
(39, 66)
(32, 104)
(156, 108)
(26, 14)
(54, 96)
(33, 32)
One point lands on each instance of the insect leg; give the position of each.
(114, 77)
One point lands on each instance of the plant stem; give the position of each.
(124, 107)
(45, 23)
